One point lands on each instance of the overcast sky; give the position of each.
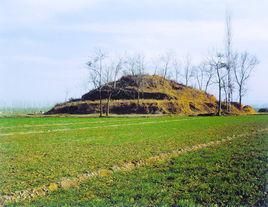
(44, 44)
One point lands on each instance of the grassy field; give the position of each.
(42, 151)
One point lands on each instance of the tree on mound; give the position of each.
(218, 65)
(111, 75)
(244, 65)
(225, 72)
(96, 73)
(103, 75)
(159, 96)
(135, 66)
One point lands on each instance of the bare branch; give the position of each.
(245, 63)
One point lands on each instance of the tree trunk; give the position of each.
(219, 105)
(228, 91)
(138, 97)
(240, 98)
(206, 88)
(101, 112)
(108, 105)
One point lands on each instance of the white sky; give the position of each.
(44, 44)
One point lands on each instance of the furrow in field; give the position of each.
(48, 125)
(57, 124)
(66, 183)
(94, 127)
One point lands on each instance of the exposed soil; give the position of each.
(146, 94)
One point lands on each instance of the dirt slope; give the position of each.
(146, 95)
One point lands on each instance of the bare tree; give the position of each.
(244, 65)
(209, 74)
(111, 74)
(165, 64)
(203, 74)
(187, 70)
(225, 91)
(218, 65)
(177, 67)
(135, 66)
(95, 66)
(199, 75)
(229, 59)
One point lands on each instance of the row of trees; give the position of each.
(227, 71)
(210, 74)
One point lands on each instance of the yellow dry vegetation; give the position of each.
(104, 172)
(53, 187)
(183, 100)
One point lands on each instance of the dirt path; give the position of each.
(66, 183)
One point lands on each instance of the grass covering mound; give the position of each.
(147, 95)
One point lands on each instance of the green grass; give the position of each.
(232, 174)
(46, 155)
